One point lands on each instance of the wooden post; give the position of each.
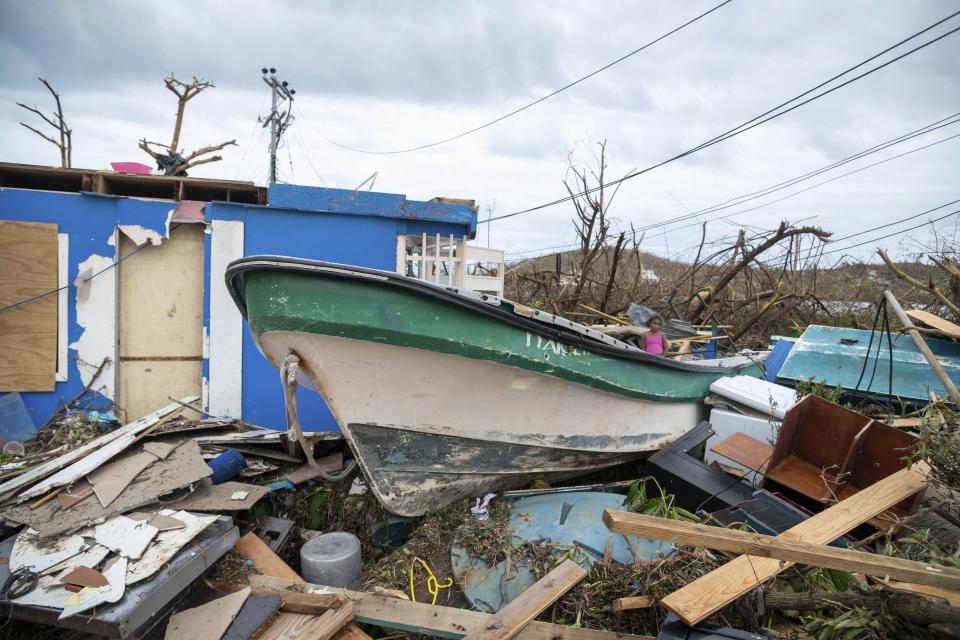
(922, 346)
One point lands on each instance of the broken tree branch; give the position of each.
(930, 287)
(57, 122)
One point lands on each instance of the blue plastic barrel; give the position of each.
(226, 465)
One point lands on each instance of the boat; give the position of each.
(445, 393)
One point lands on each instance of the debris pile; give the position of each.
(785, 514)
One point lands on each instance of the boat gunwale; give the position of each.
(334, 270)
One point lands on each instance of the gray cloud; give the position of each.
(397, 74)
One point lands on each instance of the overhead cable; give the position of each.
(756, 121)
(535, 102)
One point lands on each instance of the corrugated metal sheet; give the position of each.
(836, 355)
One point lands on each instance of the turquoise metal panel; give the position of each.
(836, 356)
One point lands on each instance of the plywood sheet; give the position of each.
(161, 320)
(206, 622)
(184, 467)
(28, 332)
(111, 479)
(219, 497)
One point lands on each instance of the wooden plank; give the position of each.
(66, 460)
(310, 627)
(264, 560)
(28, 332)
(698, 535)
(439, 621)
(633, 602)
(301, 602)
(745, 450)
(528, 605)
(268, 563)
(710, 593)
(945, 327)
(352, 632)
(327, 464)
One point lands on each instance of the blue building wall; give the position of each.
(89, 220)
(357, 228)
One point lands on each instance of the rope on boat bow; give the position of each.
(288, 376)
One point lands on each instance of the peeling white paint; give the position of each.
(96, 313)
(141, 235)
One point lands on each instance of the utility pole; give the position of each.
(278, 120)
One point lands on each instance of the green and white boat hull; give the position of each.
(445, 394)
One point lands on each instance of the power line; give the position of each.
(820, 184)
(85, 280)
(762, 118)
(890, 235)
(535, 102)
(879, 227)
(793, 181)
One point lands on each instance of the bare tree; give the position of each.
(65, 143)
(171, 161)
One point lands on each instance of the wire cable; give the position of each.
(890, 235)
(763, 118)
(530, 104)
(792, 181)
(85, 280)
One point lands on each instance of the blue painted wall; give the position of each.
(358, 228)
(89, 220)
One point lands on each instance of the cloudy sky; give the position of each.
(392, 75)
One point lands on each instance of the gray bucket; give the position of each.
(331, 559)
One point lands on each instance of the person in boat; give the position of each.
(654, 341)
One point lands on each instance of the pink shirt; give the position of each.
(653, 344)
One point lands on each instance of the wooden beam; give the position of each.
(633, 602)
(710, 593)
(264, 560)
(438, 621)
(754, 544)
(505, 624)
(309, 627)
(922, 346)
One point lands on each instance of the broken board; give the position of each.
(79, 462)
(945, 327)
(167, 544)
(208, 621)
(182, 468)
(218, 497)
(144, 602)
(111, 479)
(710, 593)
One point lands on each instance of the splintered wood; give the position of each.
(710, 593)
